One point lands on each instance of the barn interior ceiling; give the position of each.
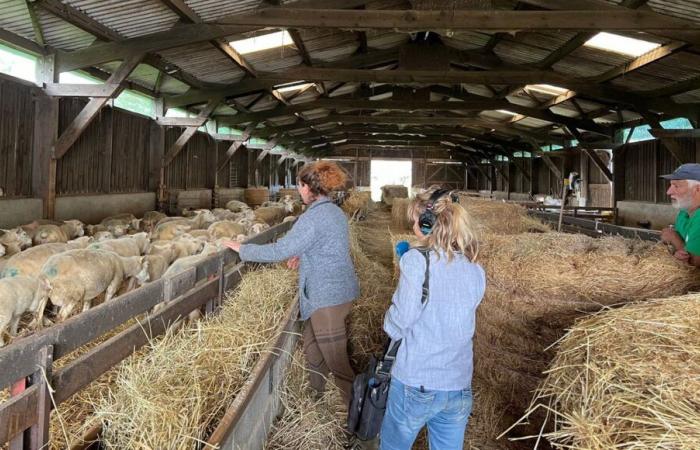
(475, 79)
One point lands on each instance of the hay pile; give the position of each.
(392, 191)
(399, 214)
(628, 378)
(173, 397)
(538, 285)
(358, 202)
(499, 217)
(307, 422)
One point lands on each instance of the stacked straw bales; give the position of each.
(357, 201)
(539, 284)
(399, 214)
(174, 396)
(628, 378)
(392, 191)
(500, 217)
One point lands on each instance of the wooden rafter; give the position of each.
(187, 134)
(459, 20)
(90, 111)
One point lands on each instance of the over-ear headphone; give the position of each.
(427, 219)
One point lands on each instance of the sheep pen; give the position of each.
(197, 370)
(627, 378)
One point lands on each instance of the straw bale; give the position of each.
(399, 214)
(628, 378)
(577, 268)
(393, 191)
(173, 397)
(357, 201)
(500, 217)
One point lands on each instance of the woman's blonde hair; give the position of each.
(453, 230)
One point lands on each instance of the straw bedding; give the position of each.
(628, 378)
(307, 422)
(173, 396)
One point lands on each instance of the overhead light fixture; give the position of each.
(546, 89)
(620, 44)
(263, 42)
(505, 111)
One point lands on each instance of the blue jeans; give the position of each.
(446, 414)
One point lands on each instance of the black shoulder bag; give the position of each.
(370, 389)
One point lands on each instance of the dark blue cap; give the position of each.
(690, 171)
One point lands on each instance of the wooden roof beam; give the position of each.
(460, 20)
(90, 111)
(187, 134)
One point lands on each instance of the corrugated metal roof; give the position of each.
(61, 34)
(209, 10)
(683, 9)
(688, 97)
(205, 62)
(130, 18)
(466, 40)
(15, 18)
(383, 40)
(171, 86)
(329, 45)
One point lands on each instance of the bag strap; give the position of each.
(384, 367)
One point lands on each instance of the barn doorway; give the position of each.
(389, 171)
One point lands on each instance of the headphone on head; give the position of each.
(426, 221)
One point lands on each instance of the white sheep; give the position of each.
(76, 277)
(18, 295)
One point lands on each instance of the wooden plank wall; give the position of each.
(645, 161)
(111, 156)
(192, 168)
(16, 121)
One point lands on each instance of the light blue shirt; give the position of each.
(320, 238)
(436, 347)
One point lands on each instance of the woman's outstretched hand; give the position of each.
(293, 263)
(233, 245)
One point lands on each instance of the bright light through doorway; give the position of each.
(384, 172)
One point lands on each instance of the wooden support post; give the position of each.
(90, 111)
(106, 151)
(156, 150)
(45, 134)
(553, 167)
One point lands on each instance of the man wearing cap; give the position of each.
(685, 196)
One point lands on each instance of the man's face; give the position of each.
(681, 194)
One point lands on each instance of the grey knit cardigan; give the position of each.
(320, 237)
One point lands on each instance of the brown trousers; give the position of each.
(325, 347)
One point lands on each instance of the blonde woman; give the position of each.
(319, 246)
(431, 377)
